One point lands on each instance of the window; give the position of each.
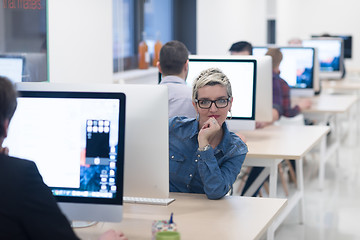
(133, 17)
(23, 32)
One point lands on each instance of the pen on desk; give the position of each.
(171, 218)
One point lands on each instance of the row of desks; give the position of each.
(235, 217)
(196, 217)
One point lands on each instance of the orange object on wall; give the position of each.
(144, 57)
(157, 49)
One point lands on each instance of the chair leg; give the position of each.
(283, 180)
(291, 171)
(266, 187)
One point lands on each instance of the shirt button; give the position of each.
(196, 160)
(172, 157)
(198, 155)
(190, 175)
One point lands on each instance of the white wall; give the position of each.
(220, 23)
(302, 18)
(80, 41)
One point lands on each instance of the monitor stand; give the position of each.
(82, 224)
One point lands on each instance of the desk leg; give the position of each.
(322, 162)
(273, 179)
(338, 138)
(300, 187)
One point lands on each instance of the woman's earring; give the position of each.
(230, 114)
(197, 116)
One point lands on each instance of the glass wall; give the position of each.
(132, 18)
(23, 34)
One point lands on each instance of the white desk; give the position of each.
(324, 108)
(344, 86)
(270, 145)
(232, 217)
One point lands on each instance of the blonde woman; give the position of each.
(204, 156)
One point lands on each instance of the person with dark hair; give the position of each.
(281, 103)
(174, 65)
(28, 210)
(281, 90)
(241, 48)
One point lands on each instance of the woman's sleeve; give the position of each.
(218, 180)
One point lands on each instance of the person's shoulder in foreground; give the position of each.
(28, 209)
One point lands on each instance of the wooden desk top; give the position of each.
(232, 217)
(331, 103)
(283, 142)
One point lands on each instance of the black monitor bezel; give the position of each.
(347, 43)
(313, 64)
(253, 61)
(118, 200)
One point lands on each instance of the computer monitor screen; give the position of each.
(297, 66)
(347, 39)
(146, 160)
(76, 140)
(242, 75)
(263, 108)
(331, 53)
(12, 67)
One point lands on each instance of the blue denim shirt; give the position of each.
(211, 172)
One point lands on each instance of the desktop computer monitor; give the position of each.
(76, 140)
(347, 39)
(35, 69)
(298, 68)
(146, 159)
(12, 67)
(242, 75)
(331, 56)
(263, 108)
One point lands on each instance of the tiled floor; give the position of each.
(334, 212)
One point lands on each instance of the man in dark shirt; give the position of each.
(28, 209)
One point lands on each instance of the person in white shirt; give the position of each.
(174, 65)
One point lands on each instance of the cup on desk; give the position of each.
(163, 226)
(168, 235)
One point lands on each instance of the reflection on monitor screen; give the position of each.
(242, 75)
(12, 67)
(331, 53)
(76, 140)
(297, 67)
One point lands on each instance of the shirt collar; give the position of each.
(172, 79)
(224, 142)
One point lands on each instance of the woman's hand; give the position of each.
(208, 131)
(113, 235)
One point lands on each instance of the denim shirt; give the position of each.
(212, 171)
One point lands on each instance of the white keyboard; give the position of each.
(153, 201)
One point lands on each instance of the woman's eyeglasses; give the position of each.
(206, 104)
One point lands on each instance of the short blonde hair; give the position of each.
(211, 77)
(276, 55)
